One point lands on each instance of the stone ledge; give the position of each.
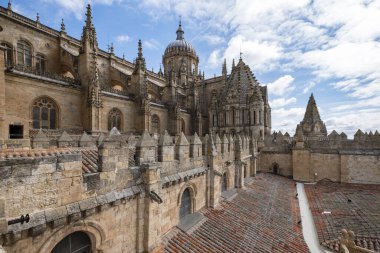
(69, 213)
(171, 180)
(190, 221)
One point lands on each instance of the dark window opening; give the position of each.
(185, 208)
(16, 131)
(77, 242)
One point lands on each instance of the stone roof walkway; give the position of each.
(262, 217)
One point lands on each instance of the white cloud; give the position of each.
(213, 39)
(280, 102)
(287, 119)
(151, 44)
(78, 7)
(214, 59)
(308, 87)
(123, 38)
(281, 86)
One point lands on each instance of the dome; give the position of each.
(180, 44)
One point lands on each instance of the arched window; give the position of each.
(24, 53)
(233, 116)
(44, 113)
(185, 208)
(8, 59)
(77, 242)
(40, 63)
(114, 119)
(155, 124)
(224, 182)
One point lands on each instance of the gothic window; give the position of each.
(225, 118)
(254, 117)
(8, 59)
(77, 242)
(233, 116)
(44, 114)
(214, 120)
(24, 53)
(224, 182)
(40, 63)
(185, 208)
(114, 119)
(260, 117)
(155, 124)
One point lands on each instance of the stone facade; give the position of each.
(93, 144)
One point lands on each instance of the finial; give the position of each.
(240, 54)
(140, 49)
(63, 27)
(111, 49)
(88, 16)
(180, 32)
(224, 69)
(10, 5)
(233, 63)
(123, 56)
(38, 18)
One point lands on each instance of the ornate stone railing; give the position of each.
(46, 74)
(348, 245)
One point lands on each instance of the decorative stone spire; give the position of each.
(311, 113)
(63, 27)
(112, 49)
(312, 125)
(10, 5)
(224, 69)
(233, 63)
(89, 33)
(38, 18)
(180, 32)
(140, 60)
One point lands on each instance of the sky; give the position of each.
(295, 47)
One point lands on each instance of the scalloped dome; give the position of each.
(180, 44)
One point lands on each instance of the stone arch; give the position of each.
(45, 113)
(115, 119)
(66, 71)
(8, 54)
(192, 190)
(92, 229)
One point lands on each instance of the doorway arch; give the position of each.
(186, 206)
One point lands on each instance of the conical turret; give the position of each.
(312, 125)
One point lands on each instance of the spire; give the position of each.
(38, 18)
(224, 69)
(140, 54)
(180, 32)
(89, 33)
(10, 5)
(233, 63)
(112, 49)
(88, 17)
(311, 114)
(63, 27)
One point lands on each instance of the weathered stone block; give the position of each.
(3, 226)
(5, 172)
(73, 208)
(37, 230)
(22, 170)
(88, 204)
(55, 213)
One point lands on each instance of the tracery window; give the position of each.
(8, 59)
(45, 114)
(40, 63)
(114, 119)
(24, 53)
(155, 124)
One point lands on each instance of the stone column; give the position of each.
(152, 212)
(3, 129)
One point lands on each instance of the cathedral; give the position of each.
(99, 154)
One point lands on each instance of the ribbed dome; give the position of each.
(180, 44)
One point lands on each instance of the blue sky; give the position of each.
(328, 47)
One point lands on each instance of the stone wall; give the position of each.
(360, 168)
(284, 161)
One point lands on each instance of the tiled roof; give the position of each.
(353, 207)
(262, 217)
